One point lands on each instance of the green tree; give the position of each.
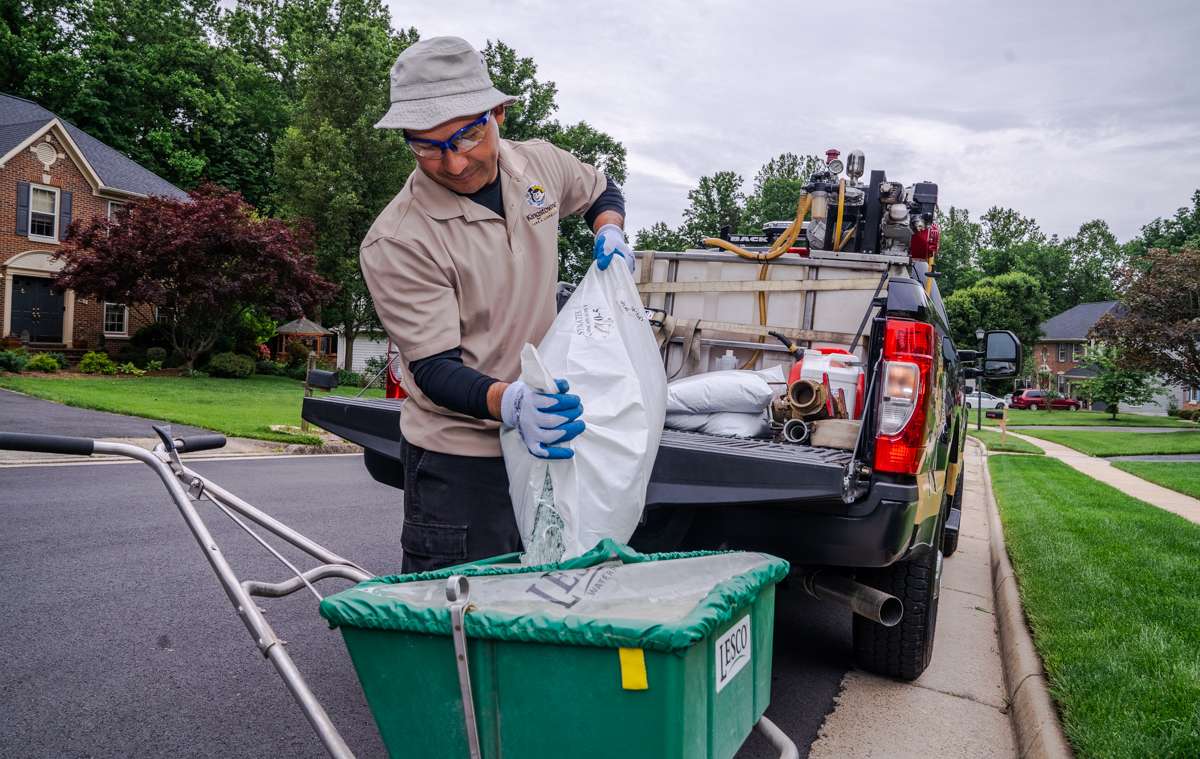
(661, 237)
(1012, 301)
(716, 202)
(1115, 382)
(958, 253)
(1175, 233)
(777, 189)
(1007, 239)
(335, 168)
(1095, 262)
(531, 117)
(38, 44)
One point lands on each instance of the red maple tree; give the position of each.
(205, 261)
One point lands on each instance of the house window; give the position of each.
(113, 207)
(115, 318)
(1076, 351)
(162, 315)
(1062, 352)
(43, 213)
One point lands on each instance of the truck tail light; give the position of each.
(905, 374)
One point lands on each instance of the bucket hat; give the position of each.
(437, 80)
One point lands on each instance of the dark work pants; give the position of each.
(456, 509)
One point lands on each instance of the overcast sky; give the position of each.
(1063, 109)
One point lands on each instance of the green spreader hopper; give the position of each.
(612, 655)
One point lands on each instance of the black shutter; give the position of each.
(23, 208)
(64, 214)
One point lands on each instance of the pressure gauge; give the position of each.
(835, 166)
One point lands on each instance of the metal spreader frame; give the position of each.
(187, 488)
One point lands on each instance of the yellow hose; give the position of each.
(837, 230)
(781, 246)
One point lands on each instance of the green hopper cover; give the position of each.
(611, 596)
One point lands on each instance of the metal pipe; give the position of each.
(806, 396)
(270, 523)
(292, 584)
(778, 739)
(264, 637)
(863, 600)
(796, 431)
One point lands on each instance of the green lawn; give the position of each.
(1183, 476)
(1122, 443)
(1011, 444)
(1084, 419)
(1110, 588)
(238, 407)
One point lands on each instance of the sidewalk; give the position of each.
(1103, 470)
(957, 708)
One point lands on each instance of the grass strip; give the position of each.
(1122, 443)
(1063, 418)
(1183, 476)
(238, 407)
(1011, 444)
(1109, 586)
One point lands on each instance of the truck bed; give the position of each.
(692, 468)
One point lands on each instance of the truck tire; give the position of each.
(904, 651)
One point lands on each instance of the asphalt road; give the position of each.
(23, 413)
(117, 640)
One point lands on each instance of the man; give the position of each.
(462, 266)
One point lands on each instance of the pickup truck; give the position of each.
(875, 516)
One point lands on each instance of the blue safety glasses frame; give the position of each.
(459, 142)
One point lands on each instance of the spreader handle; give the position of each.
(22, 441)
(205, 442)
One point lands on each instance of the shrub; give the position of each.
(130, 368)
(96, 362)
(174, 359)
(231, 365)
(297, 353)
(374, 367)
(156, 354)
(12, 361)
(153, 366)
(347, 377)
(42, 362)
(131, 354)
(59, 358)
(157, 335)
(296, 371)
(270, 368)
(326, 363)
(264, 352)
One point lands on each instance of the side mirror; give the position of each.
(966, 355)
(1002, 355)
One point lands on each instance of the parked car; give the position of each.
(985, 400)
(1039, 399)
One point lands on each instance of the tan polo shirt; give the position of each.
(446, 272)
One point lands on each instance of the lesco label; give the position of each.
(732, 651)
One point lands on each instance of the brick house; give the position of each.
(51, 172)
(1058, 357)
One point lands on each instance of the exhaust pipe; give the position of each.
(806, 397)
(865, 601)
(796, 431)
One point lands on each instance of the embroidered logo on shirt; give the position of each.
(535, 195)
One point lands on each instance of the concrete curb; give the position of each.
(1034, 716)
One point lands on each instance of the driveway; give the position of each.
(23, 413)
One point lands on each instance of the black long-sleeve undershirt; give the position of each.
(449, 383)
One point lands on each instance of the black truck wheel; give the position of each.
(903, 651)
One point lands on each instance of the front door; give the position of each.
(37, 310)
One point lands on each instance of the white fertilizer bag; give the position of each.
(602, 345)
(714, 392)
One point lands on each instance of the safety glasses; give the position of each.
(462, 141)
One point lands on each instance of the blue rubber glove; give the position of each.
(543, 419)
(610, 241)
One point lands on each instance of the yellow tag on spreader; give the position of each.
(633, 669)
